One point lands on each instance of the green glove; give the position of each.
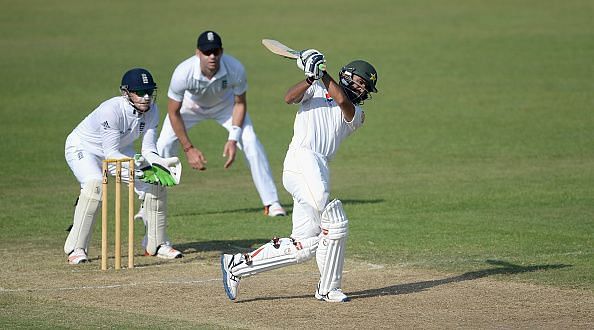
(144, 171)
(149, 176)
(163, 175)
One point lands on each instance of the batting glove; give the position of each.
(303, 56)
(315, 66)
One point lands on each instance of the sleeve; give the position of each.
(240, 85)
(178, 85)
(358, 119)
(110, 134)
(309, 93)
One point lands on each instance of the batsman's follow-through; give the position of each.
(118, 210)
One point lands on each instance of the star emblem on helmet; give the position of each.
(373, 77)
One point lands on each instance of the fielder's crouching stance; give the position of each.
(329, 112)
(109, 132)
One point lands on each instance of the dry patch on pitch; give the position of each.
(190, 290)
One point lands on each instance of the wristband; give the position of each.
(309, 80)
(235, 133)
(186, 149)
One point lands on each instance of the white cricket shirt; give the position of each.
(210, 94)
(319, 123)
(114, 125)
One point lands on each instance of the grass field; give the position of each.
(477, 155)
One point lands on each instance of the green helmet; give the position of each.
(362, 69)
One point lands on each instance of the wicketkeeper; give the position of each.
(109, 132)
(329, 112)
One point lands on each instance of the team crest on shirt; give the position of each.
(328, 98)
(224, 83)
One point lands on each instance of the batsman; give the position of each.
(109, 132)
(329, 112)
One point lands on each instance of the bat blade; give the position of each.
(280, 49)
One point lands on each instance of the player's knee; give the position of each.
(92, 188)
(306, 248)
(321, 198)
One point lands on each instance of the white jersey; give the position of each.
(115, 125)
(319, 124)
(210, 94)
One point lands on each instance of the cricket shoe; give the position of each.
(274, 210)
(166, 251)
(78, 256)
(335, 295)
(230, 281)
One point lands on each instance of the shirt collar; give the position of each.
(198, 73)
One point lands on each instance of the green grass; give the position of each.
(477, 148)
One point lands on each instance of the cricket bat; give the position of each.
(280, 49)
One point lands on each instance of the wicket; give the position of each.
(118, 224)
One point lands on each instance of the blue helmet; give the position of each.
(137, 79)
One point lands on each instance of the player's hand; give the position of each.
(143, 170)
(315, 66)
(167, 171)
(164, 176)
(196, 159)
(229, 151)
(303, 56)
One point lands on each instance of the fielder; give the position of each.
(213, 85)
(109, 132)
(329, 112)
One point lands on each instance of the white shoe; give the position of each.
(230, 281)
(335, 295)
(165, 251)
(78, 256)
(274, 210)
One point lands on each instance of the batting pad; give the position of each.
(155, 211)
(331, 250)
(275, 254)
(84, 217)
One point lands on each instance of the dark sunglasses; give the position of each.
(216, 52)
(143, 92)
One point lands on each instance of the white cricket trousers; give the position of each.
(192, 114)
(307, 178)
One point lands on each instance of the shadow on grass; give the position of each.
(288, 208)
(505, 268)
(234, 246)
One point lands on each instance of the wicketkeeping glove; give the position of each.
(143, 170)
(163, 171)
(167, 170)
(314, 66)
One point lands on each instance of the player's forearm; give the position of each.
(338, 95)
(177, 123)
(296, 92)
(239, 110)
